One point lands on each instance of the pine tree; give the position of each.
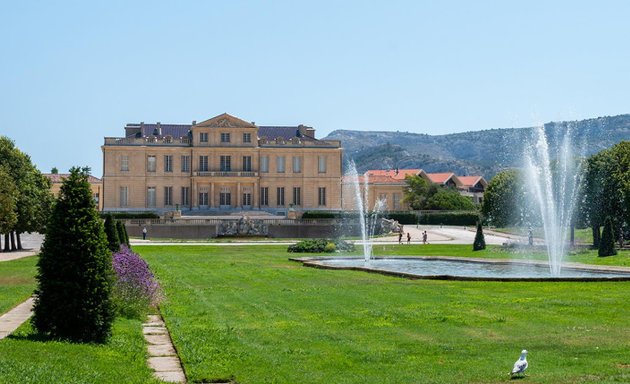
(75, 274)
(120, 229)
(113, 243)
(480, 241)
(607, 242)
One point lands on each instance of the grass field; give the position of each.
(249, 314)
(26, 359)
(17, 281)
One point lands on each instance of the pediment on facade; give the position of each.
(225, 121)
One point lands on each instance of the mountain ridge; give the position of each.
(484, 152)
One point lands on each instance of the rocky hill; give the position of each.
(474, 153)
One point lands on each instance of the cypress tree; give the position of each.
(607, 241)
(480, 241)
(75, 274)
(113, 243)
(122, 233)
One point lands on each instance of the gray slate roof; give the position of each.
(181, 130)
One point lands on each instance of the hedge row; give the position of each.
(131, 215)
(429, 218)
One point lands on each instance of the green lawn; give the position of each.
(17, 281)
(249, 314)
(25, 359)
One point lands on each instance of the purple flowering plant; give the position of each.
(136, 291)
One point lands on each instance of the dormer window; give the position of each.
(225, 137)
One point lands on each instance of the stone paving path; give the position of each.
(163, 358)
(11, 320)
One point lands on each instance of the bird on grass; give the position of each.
(521, 364)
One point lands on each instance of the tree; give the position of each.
(54, 170)
(122, 233)
(74, 279)
(606, 189)
(8, 201)
(480, 241)
(415, 192)
(607, 243)
(419, 194)
(113, 242)
(504, 201)
(34, 198)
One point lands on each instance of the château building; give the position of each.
(220, 164)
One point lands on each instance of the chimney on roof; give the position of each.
(253, 123)
(194, 122)
(306, 131)
(157, 131)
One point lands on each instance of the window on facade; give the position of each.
(168, 196)
(264, 164)
(185, 163)
(151, 163)
(297, 164)
(124, 163)
(280, 164)
(151, 197)
(185, 196)
(96, 198)
(247, 137)
(247, 197)
(203, 163)
(168, 163)
(226, 163)
(203, 199)
(225, 137)
(297, 196)
(396, 200)
(225, 197)
(203, 137)
(321, 164)
(321, 196)
(264, 196)
(247, 163)
(124, 196)
(280, 196)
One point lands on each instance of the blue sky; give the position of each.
(74, 72)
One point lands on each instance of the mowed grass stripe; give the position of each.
(249, 313)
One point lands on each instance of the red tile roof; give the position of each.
(440, 178)
(399, 174)
(469, 181)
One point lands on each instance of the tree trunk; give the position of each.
(19, 241)
(13, 247)
(6, 242)
(596, 236)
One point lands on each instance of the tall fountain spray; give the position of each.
(554, 176)
(367, 221)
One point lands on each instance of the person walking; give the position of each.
(408, 238)
(144, 233)
(424, 237)
(400, 234)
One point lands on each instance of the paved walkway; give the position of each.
(162, 355)
(11, 320)
(31, 242)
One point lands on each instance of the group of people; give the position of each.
(400, 237)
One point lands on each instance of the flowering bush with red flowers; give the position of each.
(136, 291)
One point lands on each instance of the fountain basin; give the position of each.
(455, 268)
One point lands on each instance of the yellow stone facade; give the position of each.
(96, 185)
(221, 164)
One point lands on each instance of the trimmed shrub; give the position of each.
(480, 241)
(403, 217)
(136, 290)
(113, 243)
(74, 278)
(320, 246)
(607, 242)
(449, 218)
(122, 233)
(131, 215)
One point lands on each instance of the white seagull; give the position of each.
(521, 364)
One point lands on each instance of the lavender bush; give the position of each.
(136, 290)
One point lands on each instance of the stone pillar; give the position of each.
(211, 197)
(239, 198)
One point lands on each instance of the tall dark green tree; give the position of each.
(122, 233)
(75, 274)
(503, 202)
(480, 241)
(607, 243)
(113, 242)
